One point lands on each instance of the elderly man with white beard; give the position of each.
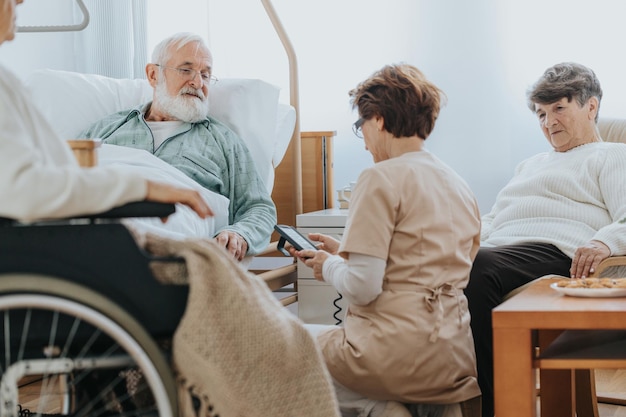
(175, 127)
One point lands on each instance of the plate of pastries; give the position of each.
(591, 287)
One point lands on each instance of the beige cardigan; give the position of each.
(237, 348)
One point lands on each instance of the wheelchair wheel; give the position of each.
(83, 354)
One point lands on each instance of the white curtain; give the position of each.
(115, 42)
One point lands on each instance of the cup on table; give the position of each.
(344, 194)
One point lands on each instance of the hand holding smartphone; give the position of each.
(295, 238)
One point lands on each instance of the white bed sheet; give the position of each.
(185, 222)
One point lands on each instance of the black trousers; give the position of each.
(496, 272)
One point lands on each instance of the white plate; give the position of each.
(590, 292)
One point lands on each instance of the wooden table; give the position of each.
(539, 328)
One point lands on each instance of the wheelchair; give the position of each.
(84, 320)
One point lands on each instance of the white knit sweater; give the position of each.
(563, 198)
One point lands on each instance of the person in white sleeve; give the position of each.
(41, 179)
(560, 213)
(411, 234)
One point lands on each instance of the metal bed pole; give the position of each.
(61, 28)
(294, 99)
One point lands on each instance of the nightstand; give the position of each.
(319, 302)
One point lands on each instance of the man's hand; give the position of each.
(587, 258)
(233, 243)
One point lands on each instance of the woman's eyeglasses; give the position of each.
(356, 128)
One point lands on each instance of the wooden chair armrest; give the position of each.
(609, 262)
(271, 248)
(279, 277)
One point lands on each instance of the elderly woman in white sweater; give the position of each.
(560, 212)
(40, 178)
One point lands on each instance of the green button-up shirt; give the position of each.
(211, 154)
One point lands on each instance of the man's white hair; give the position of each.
(163, 51)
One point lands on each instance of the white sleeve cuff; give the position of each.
(360, 279)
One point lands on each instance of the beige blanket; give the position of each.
(237, 348)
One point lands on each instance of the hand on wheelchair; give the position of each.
(165, 193)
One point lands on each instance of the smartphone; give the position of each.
(295, 238)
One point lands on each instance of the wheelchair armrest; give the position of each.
(6, 222)
(134, 209)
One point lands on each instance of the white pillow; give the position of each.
(249, 107)
(72, 102)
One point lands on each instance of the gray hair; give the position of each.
(163, 51)
(568, 79)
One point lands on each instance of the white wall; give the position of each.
(34, 50)
(168, 17)
(483, 54)
(486, 53)
(338, 44)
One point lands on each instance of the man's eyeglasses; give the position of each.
(189, 74)
(356, 128)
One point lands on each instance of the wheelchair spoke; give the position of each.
(53, 333)
(70, 337)
(89, 408)
(84, 353)
(25, 328)
(87, 346)
(46, 392)
(63, 357)
(7, 346)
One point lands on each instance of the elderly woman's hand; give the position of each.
(588, 257)
(165, 193)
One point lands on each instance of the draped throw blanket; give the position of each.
(237, 348)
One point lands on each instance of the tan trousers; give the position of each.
(353, 404)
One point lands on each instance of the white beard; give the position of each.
(183, 106)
